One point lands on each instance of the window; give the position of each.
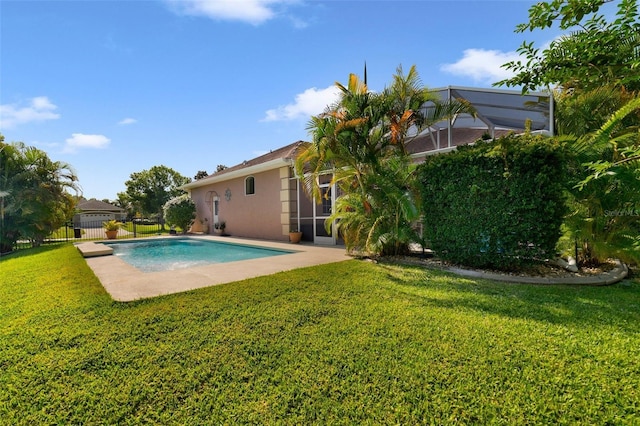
(249, 186)
(326, 200)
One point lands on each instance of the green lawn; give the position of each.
(348, 343)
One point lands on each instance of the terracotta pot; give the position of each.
(295, 237)
(111, 234)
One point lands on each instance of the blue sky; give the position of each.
(116, 87)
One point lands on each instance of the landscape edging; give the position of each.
(617, 274)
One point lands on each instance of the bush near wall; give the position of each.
(496, 204)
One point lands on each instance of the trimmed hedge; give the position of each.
(495, 204)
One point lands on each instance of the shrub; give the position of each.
(180, 211)
(495, 204)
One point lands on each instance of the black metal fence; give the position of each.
(94, 230)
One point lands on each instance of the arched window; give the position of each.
(249, 186)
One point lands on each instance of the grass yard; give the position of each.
(348, 343)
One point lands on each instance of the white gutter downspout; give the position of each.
(551, 113)
(298, 202)
(449, 120)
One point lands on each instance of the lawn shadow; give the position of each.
(30, 251)
(617, 305)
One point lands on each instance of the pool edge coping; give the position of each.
(125, 283)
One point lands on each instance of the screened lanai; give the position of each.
(498, 112)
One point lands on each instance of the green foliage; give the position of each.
(201, 174)
(149, 190)
(124, 202)
(598, 71)
(570, 12)
(180, 211)
(361, 140)
(583, 112)
(599, 53)
(111, 225)
(496, 204)
(346, 343)
(604, 219)
(34, 200)
(379, 220)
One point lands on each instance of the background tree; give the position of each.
(180, 211)
(149, 190)
(201, 174)
(33, 192)
(220, 167)
(598, 53)
(125, 203)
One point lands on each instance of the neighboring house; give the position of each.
(91, 213)
(262, 198)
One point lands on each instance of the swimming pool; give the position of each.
(166, 254)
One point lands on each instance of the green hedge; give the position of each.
(496, 204)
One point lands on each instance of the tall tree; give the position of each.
(125, 203)
(595, 54)
(34, 198)
(149, 190)
(361, 140)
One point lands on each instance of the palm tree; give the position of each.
(35, 201)
(362, 139)
(605, 190)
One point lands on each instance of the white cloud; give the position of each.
(80, 140)
(127, 120)
(482, 65)
(298, 23)
(39, 109)
(310, 102)
(254, 12)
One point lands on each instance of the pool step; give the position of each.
(91, 249)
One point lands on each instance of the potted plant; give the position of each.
(204, 225)
(295, 235)
(111, 228)
(220, 227)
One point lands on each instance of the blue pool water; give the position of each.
(176, 253)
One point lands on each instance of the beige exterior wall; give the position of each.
(264, 215)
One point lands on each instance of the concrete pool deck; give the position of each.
(125, 283)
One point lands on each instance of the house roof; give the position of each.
(288, 152)
(498, 112)
(284, 156)
(97, 205)
(500, 109)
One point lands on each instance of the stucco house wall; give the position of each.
(264, 214)
(269, 213)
